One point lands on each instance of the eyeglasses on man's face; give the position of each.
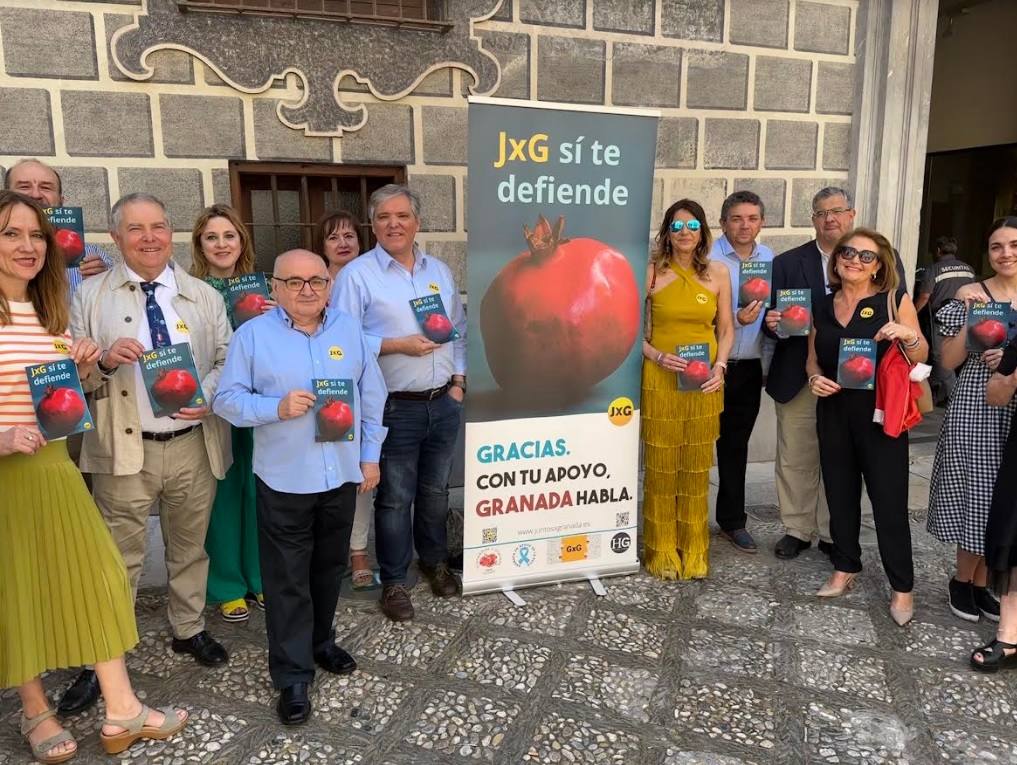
(296, 284)
(691, 225)
(850, 253)
(836, 212)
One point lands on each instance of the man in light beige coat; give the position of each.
(136, 459)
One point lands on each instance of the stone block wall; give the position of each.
(753, 94)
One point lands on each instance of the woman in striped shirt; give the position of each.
(64, 589)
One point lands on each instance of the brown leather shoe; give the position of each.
(396, 603)
(442, 580)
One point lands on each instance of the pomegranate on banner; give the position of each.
(562, 314)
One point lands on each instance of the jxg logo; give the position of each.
(335, 352)
(867, 313)
(61, 347)
(433, 286)
(620, 411)
(702, 299)
(620, 542)
(182, 327)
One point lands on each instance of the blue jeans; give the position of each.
(416, 463)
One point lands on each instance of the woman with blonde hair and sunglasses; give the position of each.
(863, 278)
(221, 248)
(690, 304)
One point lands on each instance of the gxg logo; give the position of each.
(620, 542)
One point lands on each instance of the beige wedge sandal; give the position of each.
(136, 730)
(39, 750)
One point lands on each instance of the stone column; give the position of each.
(895, 47)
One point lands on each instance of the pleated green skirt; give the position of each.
(65, 599)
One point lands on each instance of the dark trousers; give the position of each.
(743, 389)
(303, 540)
(853, 447)
(416, 464)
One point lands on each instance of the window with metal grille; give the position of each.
(280, 201)
(420, 14)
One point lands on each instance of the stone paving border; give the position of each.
(744, 667)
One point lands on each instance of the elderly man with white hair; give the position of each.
(138, 460)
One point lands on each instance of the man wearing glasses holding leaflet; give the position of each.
(306, 488)
(803, 509)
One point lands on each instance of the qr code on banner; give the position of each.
(621, 520)
(490, 536)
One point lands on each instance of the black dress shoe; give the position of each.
(741, 539)
(825, 547)
(204, 648)
(789, 547)
(82, 694)
(335, 660)
(294, 706)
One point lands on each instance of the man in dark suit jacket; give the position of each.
(803, 509)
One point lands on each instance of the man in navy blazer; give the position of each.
(803, 509)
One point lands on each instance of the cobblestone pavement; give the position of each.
(744, 667)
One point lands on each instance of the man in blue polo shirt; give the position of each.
(741, 218)
(426, 385)
(306, 484)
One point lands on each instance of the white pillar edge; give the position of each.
(895, 51)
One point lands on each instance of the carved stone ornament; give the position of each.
(250, 52)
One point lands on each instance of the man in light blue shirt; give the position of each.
(306, 486)
(426, 383)
(42, 183)
(741, 218)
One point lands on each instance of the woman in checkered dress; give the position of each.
(970, 446)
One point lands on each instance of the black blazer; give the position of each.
(800, 268)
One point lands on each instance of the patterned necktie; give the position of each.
(156, 320)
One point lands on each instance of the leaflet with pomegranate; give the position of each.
(698, 370)
(171, 379)
(754, 279)
(69, 225)
(247, 295)
(334, 410)
(795, 308)
(58, 400)
(856, 363)
(987, 326)
(433, 319)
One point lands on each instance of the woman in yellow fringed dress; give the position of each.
(690, 303)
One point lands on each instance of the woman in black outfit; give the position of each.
(851, 446)
(1001, 531)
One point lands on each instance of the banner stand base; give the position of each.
(598, 587)
(514, 597)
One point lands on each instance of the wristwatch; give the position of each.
(459, 384)
(103, 369)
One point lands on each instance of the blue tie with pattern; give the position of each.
(156, 320)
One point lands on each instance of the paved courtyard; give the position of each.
(745, 667)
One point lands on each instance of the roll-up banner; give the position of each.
(559, 217)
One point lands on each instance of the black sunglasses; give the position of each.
(850, 253)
